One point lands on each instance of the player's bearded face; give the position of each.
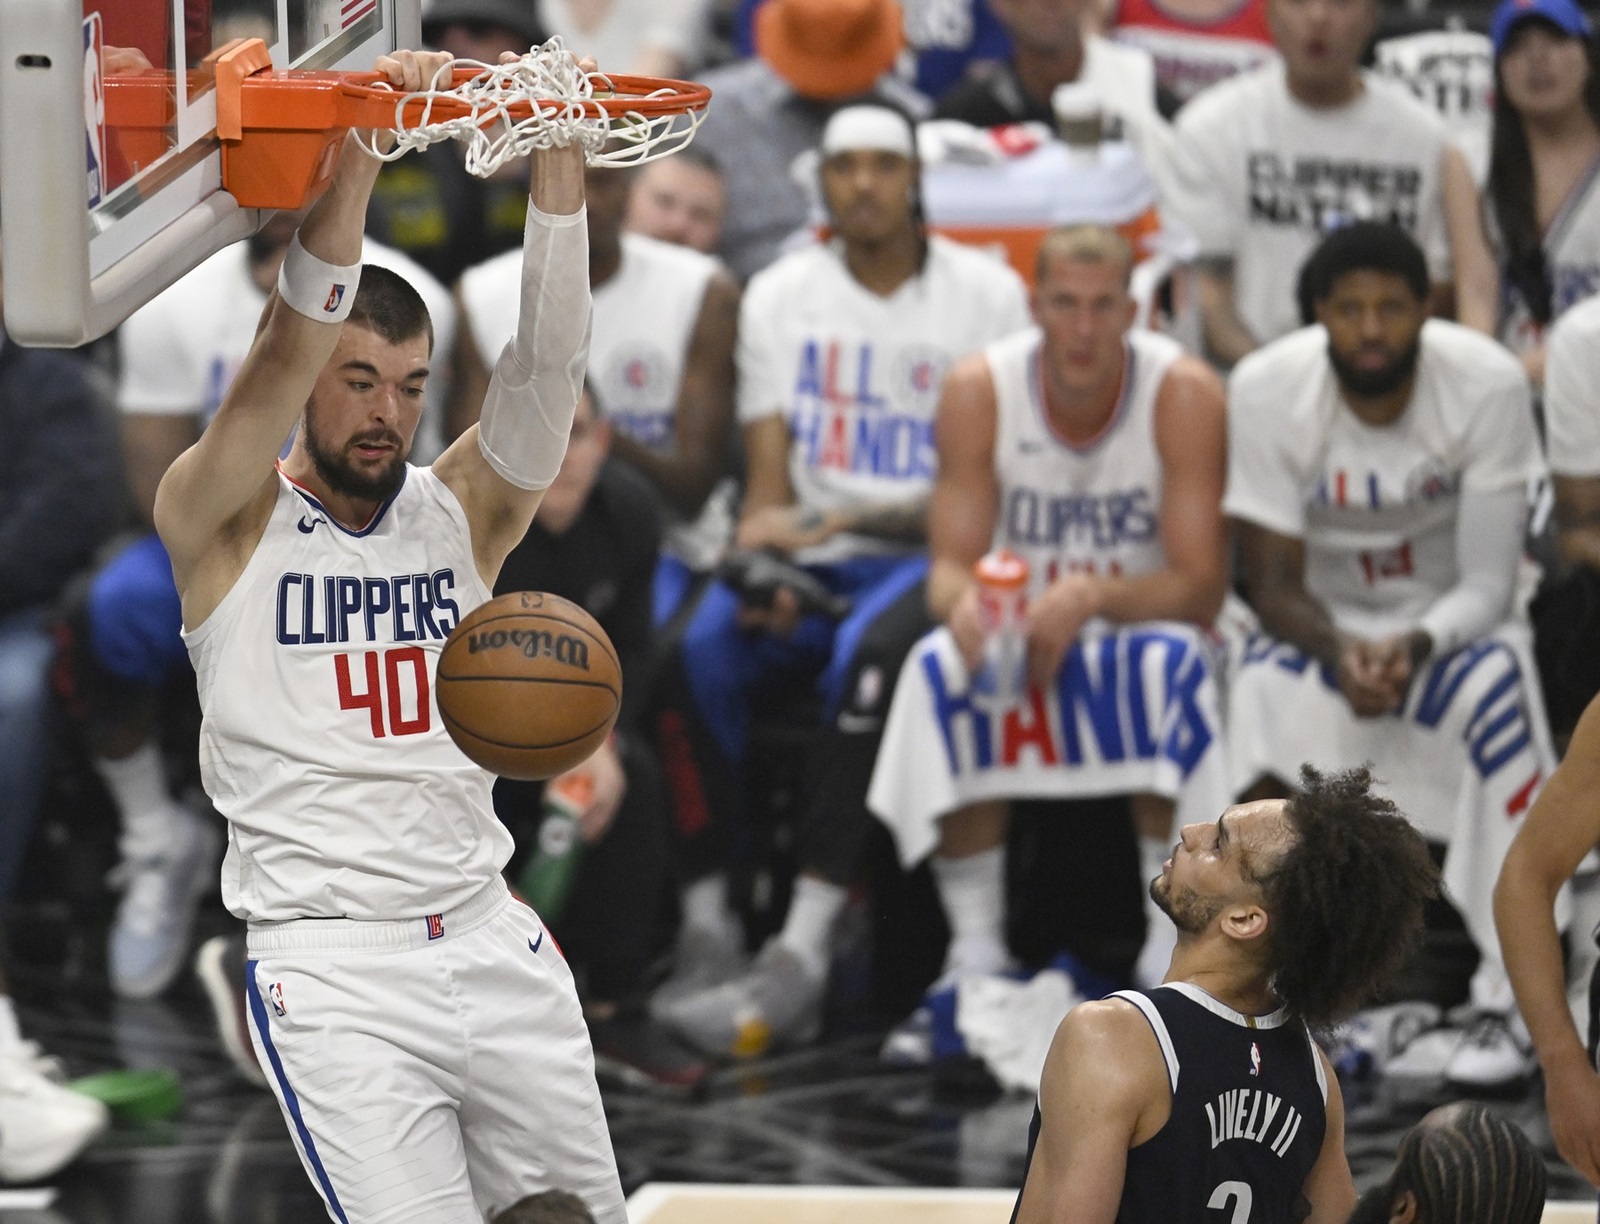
(1374, 324)
(344, 465)
(1190, 912)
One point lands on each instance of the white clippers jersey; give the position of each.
(1095, 508)
(321, 741)
(858, 375)
(1376, 505)
(644, 317)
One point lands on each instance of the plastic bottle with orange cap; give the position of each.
(1001, 680)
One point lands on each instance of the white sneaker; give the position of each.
(43, 1126)
(1495, 1054)
(150, 936)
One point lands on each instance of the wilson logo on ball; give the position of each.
(535, 644)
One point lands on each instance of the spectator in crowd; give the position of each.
(664, 38)
(948, 40)
(1462, 1164)
(59, 498)
(812, 56)
(178, 354)
(1566, 614)
(1195, 43)
(660, 363)
(427, 204)
(680, 199)
(1051, 47)
(1560, 832)
(1544, 169)
(1096, 453)
(1379, 464)
(1271, 160)
(843, 348)
(1054, 52)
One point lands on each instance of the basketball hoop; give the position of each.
(281, 130)
(505, 111)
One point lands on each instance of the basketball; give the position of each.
(528, 685)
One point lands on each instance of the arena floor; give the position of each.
(867, 1142)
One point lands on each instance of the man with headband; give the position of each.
(843, 349)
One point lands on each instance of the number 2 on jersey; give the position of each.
(389, 684)
(1242, 1198)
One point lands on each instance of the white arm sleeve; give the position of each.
(1489, 529)
(527, 412)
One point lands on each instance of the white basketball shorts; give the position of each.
(433, 1069)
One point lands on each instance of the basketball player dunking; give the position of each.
(1208, 1092)
(420, 1029)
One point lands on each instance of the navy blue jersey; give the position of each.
(1249, 1110)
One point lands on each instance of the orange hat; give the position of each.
(829, 48)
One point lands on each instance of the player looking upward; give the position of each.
(421, 1031)
(1208, 1092)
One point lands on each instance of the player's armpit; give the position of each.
(1330, 1189)
(1104, 1089)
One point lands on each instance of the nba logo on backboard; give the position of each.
(435, 925)
(335, 296)
(275, 993)
(94, 109)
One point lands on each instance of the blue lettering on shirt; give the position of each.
(1083, 520)
(314, 610)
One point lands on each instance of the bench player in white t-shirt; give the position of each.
(1564, 614)
(1379, 469)
(1097, 453)
(661, 369)
(420, 1029)
(1269, 161)
(843, 347)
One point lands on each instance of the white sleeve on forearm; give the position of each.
(1489, 530)
(527, 412)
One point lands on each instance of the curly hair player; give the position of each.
(421, 1031)
(1208, 1091)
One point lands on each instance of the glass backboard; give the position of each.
(111, 189)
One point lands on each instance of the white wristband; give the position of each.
(321, 291)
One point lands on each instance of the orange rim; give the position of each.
(649, 97)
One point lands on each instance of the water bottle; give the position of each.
(547, 878)
(1002, 677)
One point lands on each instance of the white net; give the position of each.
(568, 106)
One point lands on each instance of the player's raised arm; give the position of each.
(229, 471)
(500, 467)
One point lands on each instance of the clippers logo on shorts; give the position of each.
(275, 995)
(435, 926)
(335, 296)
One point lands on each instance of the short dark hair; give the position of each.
(548, 1207)
(1365, 246)
(387, 303)
(1345, 900)
(1466, 1162)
